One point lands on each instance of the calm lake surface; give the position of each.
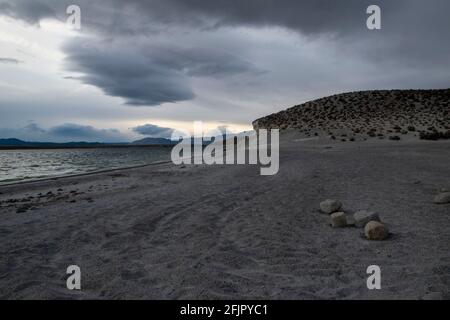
(21, 165)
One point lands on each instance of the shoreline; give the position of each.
(55, 178)
(314, 142)
(6, 148)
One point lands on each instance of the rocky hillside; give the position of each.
(369, 114)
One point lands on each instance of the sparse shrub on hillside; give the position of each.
(368, 112)
(394, 138)
(435, 135)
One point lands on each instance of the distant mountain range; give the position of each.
(154, 141)
(13, 143)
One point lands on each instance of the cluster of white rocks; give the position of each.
(369, 220)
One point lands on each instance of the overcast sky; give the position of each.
(140, 68)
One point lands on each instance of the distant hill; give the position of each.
(12, 142)
(169, 142)
(16, 143)
(381, 114)
(154, 141)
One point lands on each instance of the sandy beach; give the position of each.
(226, 232)
(215, 158)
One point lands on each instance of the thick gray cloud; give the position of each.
(10, 61)
(63, 133)
(145, 74)
(110, 16)
(415, 30)
(153, 131)
(122, 72)
(306, 16)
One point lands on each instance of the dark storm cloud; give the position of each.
(136, 16)
(305, 16)
(121, 72)
(154, 131)
(413, 31)
(309, 16)
(10, 61)
(414, 37)
(418, 28)
(146, 75)
(116, 17)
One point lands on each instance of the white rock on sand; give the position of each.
(375, 230)
(362, 217)
(329, 206)
(338, 220)
(442, 198)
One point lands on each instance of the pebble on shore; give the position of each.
(442, 198)
(375, 230)
(329, 206)
(362, 217)
(338, 220)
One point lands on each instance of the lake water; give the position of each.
(21, 165)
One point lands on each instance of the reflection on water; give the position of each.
(18, 165)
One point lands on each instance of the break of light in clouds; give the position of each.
(141, 68)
